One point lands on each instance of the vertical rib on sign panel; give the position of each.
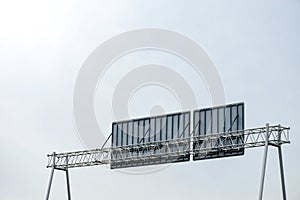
(149, 141)
(216, 131)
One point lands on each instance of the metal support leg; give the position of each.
(68, 184)
(262, 180)
(51, 178)
(50, 183)
(282, 173)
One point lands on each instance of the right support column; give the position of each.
(282, 173)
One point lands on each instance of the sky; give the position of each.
(254, 46)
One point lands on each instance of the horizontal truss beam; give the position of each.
(206, 144)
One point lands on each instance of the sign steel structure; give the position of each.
(145, 148)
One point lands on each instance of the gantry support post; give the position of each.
(262, 180)
(282, 174)
(265, 163)
(281, 168)
(68, 181)
(51, 178)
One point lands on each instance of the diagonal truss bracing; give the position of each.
(168, 149)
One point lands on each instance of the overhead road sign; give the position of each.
(140, 142)
(226, 122)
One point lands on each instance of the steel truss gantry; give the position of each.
(276, 136)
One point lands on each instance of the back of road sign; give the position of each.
(217, 132)
(224, 121)
(140, 142)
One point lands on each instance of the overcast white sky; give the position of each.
(255, 46)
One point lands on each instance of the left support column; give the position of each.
(51, 178)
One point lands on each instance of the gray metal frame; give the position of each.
(250, 138)
(264, 165)
(276, 136)
(66, 170)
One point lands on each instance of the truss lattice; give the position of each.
(169, 149)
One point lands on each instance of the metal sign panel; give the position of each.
(140, 142)
(222, 121)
